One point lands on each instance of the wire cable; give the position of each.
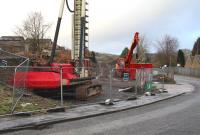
(69, 7)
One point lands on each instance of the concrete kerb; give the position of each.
(44, 123)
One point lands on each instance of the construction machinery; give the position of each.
(127, 66)
(74, 76)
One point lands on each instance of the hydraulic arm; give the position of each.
(130, 53)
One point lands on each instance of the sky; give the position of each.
(112, 23)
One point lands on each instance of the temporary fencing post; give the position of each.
(61, 86)
(136, 87)
(110, 93)
(83, 70)
(163, 79)
(13, 94)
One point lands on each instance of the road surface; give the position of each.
(177, 116)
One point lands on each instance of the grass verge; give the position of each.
(27, 103)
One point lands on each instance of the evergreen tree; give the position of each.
(181, 58)
(124, 52)
(93, 57)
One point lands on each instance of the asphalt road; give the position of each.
(177, 116)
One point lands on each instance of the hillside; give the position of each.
(111, 58)
(106, 58)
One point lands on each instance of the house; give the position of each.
(44, 44)
(196, 61)
(13, 44)
(189, 61)
(193, 61)
(18, 45)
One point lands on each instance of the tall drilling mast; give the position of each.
(80, 30)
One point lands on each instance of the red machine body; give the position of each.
(133, 68)
(49, 79)
(37, 80)
(68, 71)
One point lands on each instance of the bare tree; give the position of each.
(167, 51)
(143, 49)
(34, 28)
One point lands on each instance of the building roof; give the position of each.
(11, 38)
(41, 40)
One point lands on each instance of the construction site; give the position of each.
(31, 84)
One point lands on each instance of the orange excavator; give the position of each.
(126, 65)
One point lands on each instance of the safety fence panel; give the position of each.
(36, 89)
(82, 85)
(19, 83)
(6, 73)
(124, 83)
(144, 79)
(42, 88)
(187, 71)
(8, 65)
(169, 72)
(6, 89)
(10, 59)
(159, 78)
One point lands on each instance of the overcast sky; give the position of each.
(113, 22)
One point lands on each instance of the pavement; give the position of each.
(16, 123)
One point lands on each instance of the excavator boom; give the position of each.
(130, 53)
